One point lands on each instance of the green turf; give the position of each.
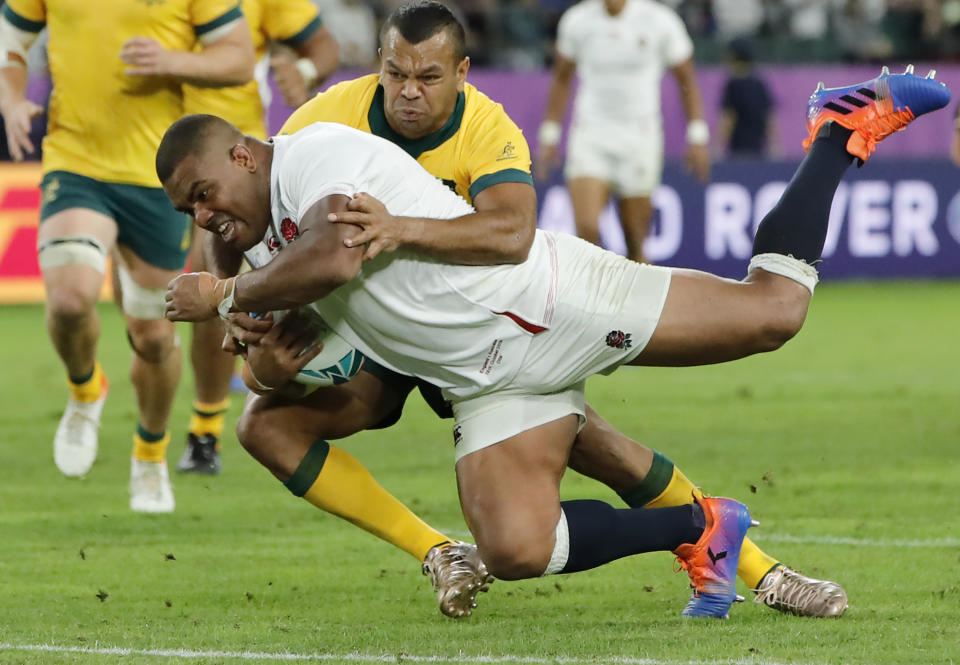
(844, 443)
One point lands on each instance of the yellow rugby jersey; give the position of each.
(102, 123)
(290, 22)
(478, 147)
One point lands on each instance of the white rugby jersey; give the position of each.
(621, 59)
(463, 328)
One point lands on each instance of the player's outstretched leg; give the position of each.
(875, 109)
(457, 575)
(711, 562)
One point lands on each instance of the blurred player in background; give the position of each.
(620, 49)
(296, 26)
(117, 69)
(748, 127)
(422, 102)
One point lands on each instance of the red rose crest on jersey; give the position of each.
(619, 339)
(289, 230)
(273, 244)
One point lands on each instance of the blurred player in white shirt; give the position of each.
(620, 50)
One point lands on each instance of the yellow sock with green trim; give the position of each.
(88, 388)
(665, 485)
(208, 417)
(150, 447)
(334, 480)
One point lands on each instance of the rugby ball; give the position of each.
(337, 363)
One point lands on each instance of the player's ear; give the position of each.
(241, 156)
(462, 69)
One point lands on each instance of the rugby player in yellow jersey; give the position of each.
(297, 25)
(117, 69)
(421, 101)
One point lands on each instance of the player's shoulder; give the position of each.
(480, 110)
(331, 142)
(351, 88)
(346, 102)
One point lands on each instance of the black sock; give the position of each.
(797, 225)
(600, 533)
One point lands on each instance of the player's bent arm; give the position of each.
(227, 60)
(500, 231)
(306, 270)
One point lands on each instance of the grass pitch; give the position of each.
(844, 443)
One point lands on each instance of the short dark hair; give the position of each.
(422, 19)
(186, 136)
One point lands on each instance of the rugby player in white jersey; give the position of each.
(620, 50)
(512, 345)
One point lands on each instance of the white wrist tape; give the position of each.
(698, 132)
(223, 309)
(308, 70)
(786, 266)
(561, 547)
(549, 133)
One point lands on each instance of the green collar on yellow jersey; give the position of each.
(413, 147)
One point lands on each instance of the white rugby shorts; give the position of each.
(630, 161)
(606, 310)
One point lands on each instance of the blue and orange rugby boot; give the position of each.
(875, 109)
(711, 562)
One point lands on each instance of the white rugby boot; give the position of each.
(457, 575)
(75, 443)
(150, 490)
(788, 591)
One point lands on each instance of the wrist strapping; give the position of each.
(698, 132)
(308, 70)
(549, 133)
(223, 292)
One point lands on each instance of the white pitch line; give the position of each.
(369, 658)
(758, 535)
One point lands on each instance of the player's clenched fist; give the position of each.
(198, 296)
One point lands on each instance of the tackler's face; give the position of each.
(420, 82)
(221, 194)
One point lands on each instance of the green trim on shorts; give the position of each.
(305, 34)
(491, 179)
(146, 221)
(309, 469)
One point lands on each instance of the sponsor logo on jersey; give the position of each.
(457, 435)
(618, 339)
